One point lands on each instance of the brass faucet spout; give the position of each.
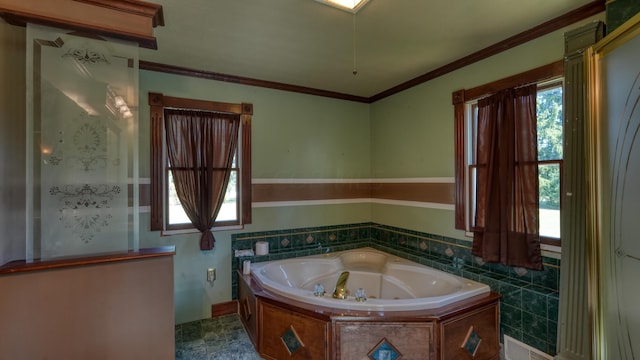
(341, 291)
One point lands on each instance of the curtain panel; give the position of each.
(507, 199)
(200, 149)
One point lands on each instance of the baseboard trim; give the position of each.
(225, 308)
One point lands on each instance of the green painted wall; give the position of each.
(293, 136)
(409, 134)
(619, 11)
(301, 136)
(412, 132)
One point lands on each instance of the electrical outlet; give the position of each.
(211, 274)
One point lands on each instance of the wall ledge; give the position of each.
(21, 266)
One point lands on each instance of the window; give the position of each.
(549, 127)
(176, 217)
(166, 211)
(228, 215)
(550, 139)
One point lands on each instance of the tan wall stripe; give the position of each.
(441, 193)
(301, 192)
(429, 192)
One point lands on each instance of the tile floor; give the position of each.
(220, 338)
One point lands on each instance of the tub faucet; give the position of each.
(341, 291)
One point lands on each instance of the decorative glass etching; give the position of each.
(87, 55)
(615, 166)
(85, 209)
(81, 145)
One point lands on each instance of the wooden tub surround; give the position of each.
(281, 328)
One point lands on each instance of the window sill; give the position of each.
(195, 231)
(551, 251)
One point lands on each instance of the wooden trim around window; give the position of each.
(157, 103)
(245, 164)
(460, 97)
(156, 186)
(545, 72)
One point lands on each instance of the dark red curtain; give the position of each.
(506, 220)
(200, 148)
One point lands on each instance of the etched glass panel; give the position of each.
(618, 167)
(81, 145)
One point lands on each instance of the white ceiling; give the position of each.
(306, 43)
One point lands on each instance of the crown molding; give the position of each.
(590, 9)
(130, 20)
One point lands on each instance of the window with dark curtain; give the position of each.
(506, 213)
(200, 148)
(497, 166)
(195, 146)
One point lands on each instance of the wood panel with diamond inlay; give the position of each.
(284, 334)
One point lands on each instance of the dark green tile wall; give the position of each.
(619, 11)
(529, 304)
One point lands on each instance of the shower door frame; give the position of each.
(610, 334)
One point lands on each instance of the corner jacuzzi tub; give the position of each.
(391, 283)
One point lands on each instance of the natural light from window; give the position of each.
(549, 115)
(228, 212)
(550, 140)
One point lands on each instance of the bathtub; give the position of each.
(391, 283)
